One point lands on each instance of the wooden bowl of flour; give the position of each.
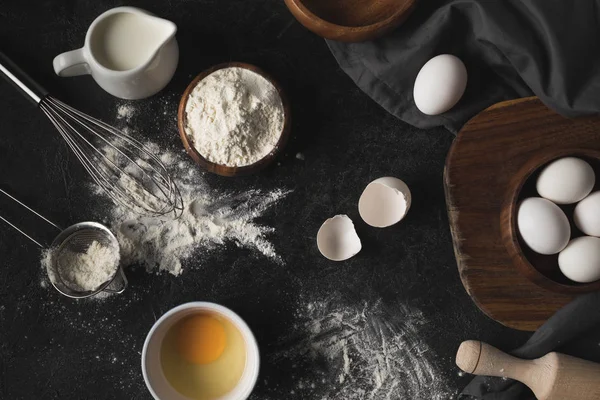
(221, 169)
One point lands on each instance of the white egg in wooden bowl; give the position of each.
(587, 215)
(384, 202)
(543, 226)
(580, 260)
(566, 180)
(337, 239)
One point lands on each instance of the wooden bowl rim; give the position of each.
(511, 241)
(225, 170)
(406, 7)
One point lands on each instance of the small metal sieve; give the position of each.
(77, 239)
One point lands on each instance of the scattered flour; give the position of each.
(125, 111)
(234, 117)
(365, 354)
(209, 220)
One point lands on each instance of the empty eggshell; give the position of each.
(384, 202)
(440, 84)
(566, 180)
(587, 215)
(337, 240)
(580, 260)
(543, 226)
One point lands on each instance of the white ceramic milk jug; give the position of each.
(129, 52)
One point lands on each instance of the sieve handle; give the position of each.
(19, 78)
(31, 210)
(123, 283)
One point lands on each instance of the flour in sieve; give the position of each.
(234, 117)
(210, 220)
(82, 271)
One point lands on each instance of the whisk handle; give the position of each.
(15, 75)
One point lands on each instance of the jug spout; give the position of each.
(159, 32)
(167, 29)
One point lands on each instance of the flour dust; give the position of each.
(362, 354)
(125, 111)
(210, 220)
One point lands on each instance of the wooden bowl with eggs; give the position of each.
(543, 270)
(350, 20)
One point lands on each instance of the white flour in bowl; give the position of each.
(234, 117)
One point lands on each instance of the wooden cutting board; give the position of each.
(487, 152)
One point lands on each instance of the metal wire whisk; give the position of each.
(126, 170)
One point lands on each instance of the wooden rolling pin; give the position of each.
(553, 377)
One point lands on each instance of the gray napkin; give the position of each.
(511, 48)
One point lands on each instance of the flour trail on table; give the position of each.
(211, 219)
(365, 356)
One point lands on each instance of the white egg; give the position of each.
(544, 227)
(440, 84)
(566, 180)
(580, 260)
(384, 202)
(337, 240)
(587, 215)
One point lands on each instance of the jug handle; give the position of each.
(71, 63)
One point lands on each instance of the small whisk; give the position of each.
(126, 170)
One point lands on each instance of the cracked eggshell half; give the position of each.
(384, 202)
(337, 240)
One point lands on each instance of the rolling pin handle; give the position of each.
(480, 358)
(468, 355)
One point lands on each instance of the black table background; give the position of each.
(53, 347)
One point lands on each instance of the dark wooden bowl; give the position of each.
(350, 20)
(224, 170)
(541, 269)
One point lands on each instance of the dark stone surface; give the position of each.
(56, 348)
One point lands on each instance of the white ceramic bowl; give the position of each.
(154, 377)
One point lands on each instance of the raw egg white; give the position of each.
(203, 356)
(543, 226)
(384, 202)
(580, 260)
(337, 240)
(440, 84)
(566, 180)
(587, 215)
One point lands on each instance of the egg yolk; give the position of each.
(202, 339)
